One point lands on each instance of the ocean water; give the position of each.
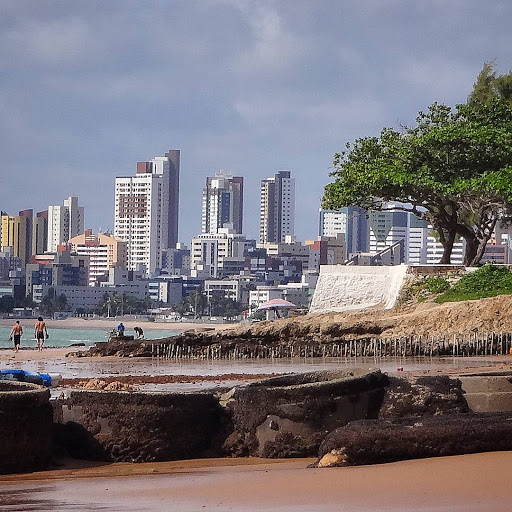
(66, 337)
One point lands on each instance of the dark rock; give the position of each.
(380, 441)
(419, 396)
(25, 427)
(117, 426)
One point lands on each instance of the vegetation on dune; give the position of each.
(487, 281)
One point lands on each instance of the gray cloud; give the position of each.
(250, 86)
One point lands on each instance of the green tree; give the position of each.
(452, 169)
(52, 302)
(193, 303)
(489, 86)
(6, 304)
(116, 305)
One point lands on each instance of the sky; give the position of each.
(249, 87)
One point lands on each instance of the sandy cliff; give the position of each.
(485, 315)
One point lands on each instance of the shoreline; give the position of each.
(475, 482)
(110, 323)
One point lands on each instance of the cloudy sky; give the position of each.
(87, 89)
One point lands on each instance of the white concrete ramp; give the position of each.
(345, 287)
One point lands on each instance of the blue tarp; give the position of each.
(43, 379)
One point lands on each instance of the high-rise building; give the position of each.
(146, 210)
(350, 221)
(103, 250)
(277, 207)
(222, 203)
(17, 233)
(40, 233)
(64, 222)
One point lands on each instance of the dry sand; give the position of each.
(478, 482)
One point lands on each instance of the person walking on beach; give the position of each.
(16, 332)
(39, 332)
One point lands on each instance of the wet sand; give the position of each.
(110, 323)
(478, 482)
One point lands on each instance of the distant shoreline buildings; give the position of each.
(144, 259)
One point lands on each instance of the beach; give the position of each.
(469, 483)
(477, 482)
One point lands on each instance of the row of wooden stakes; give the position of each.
(470, 344)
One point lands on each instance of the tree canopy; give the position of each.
(452, 169)
(489, 86)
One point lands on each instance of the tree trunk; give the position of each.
(447, 252)
(472, 244)
(447, 239)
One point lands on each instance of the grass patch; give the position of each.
(487, 281)
(436, 284)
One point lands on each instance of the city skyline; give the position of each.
(246, 86)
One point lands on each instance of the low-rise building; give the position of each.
(104, 252)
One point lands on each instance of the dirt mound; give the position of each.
(485, 315)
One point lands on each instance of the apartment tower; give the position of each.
(146, 211)
(64, 222)
(277, 207)
(17, 233)
(222, 203)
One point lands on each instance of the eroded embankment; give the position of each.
(451, 328)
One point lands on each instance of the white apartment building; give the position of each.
(104, 251)
(222, 205)
(234, 289)
(209, 249)
(64, 222)
(146, 211)
(277, 207)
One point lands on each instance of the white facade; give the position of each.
(146, 210)
(277, 207)
(208, 250)
(233, 289)
(333, 222)
(222, 205)
(104, 252)
(64, 222)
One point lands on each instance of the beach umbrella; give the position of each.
(275, 305)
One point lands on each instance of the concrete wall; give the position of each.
(289, 416)
(25, 427)
(137, 427)
(343, 288)
(491, 392)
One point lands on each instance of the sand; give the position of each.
(478, 482)
(110, 323)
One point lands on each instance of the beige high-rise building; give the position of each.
(17, 233)
(104, 251)
(277, 207)
(40, 233)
